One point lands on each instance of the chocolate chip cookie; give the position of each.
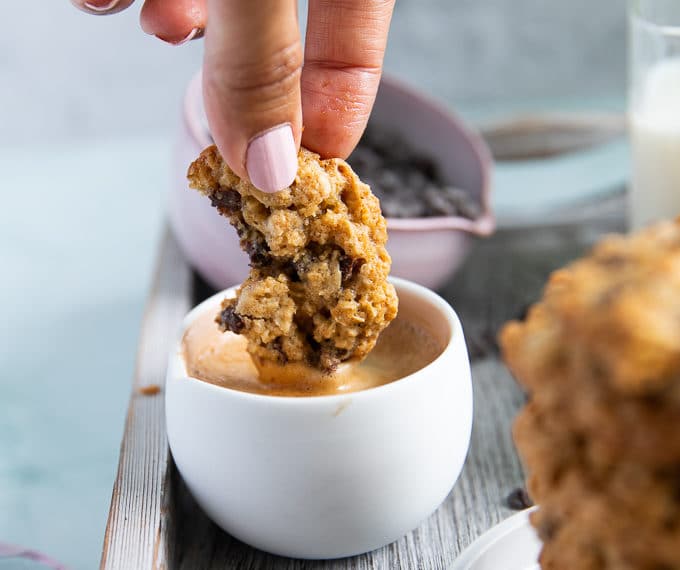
(317, 291)
(600, 358)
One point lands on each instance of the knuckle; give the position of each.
(265, 79)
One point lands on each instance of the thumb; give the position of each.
(251, 86)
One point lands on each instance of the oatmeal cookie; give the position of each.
(317, 291)
(599, 356)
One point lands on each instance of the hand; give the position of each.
(257, 92)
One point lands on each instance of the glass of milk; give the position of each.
(654, 111)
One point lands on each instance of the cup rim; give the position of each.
(177, 366)
(483, 225)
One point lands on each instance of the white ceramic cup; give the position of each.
(326, 476)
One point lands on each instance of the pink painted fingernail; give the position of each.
(271, 159)
(192, 35)
(101, 5)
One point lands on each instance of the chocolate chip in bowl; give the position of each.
(442, 165)
(408, 184)
(434, 185)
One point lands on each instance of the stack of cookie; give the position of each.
(599, 356)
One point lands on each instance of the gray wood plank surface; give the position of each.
(137, 532)
(154, 522)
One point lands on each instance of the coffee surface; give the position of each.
(220, 358)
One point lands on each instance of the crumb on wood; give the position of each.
(149, 390)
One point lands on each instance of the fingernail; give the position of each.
(192, 35)
(101, 6)
(271, 159)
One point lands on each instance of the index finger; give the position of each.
(343, 63)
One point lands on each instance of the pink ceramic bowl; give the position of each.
(424, 250)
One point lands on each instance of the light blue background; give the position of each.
(78, 228)
(88, 108)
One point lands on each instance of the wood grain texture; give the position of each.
(137, 532)
(154, 522)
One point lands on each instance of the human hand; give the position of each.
(257, 91)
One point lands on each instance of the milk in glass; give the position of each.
(655, 140)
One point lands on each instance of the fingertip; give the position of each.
(194, 34)
(331, 142)
(101, 7)
(98, 6)
(271, 159)
(336, 105)
(174, 22)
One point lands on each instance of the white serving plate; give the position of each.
(510, 545)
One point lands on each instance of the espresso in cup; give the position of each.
(210, 355)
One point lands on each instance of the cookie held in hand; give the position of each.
(317, 292)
